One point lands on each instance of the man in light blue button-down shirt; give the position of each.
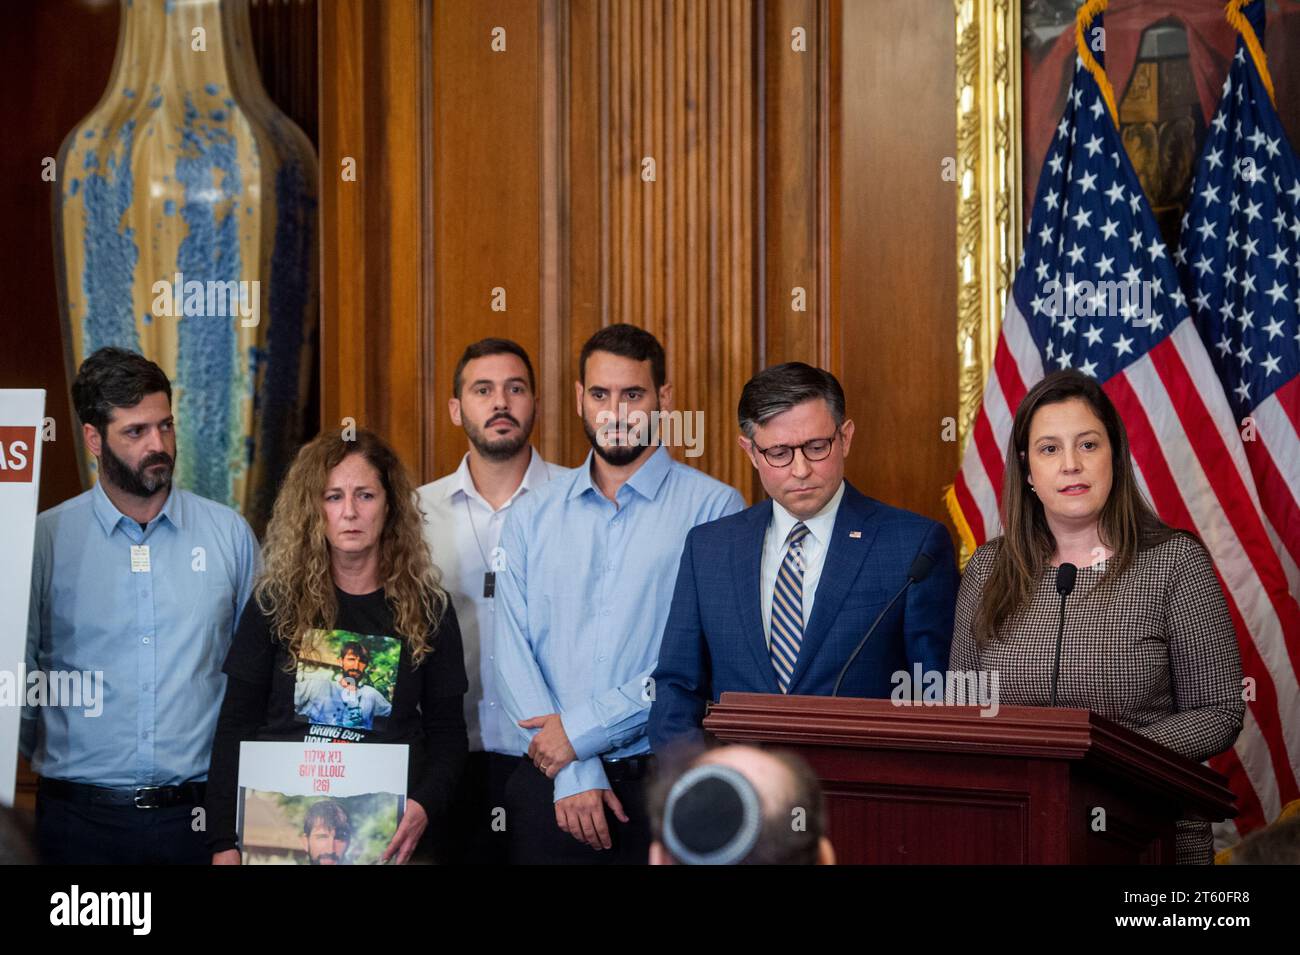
(137, 587)
(495, 401)
(590, 563)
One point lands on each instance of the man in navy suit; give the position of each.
(774, 599)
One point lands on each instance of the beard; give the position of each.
(499, 449)
(137, 482)
(619, 455)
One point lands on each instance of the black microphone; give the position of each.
(920, 569)
(1065, 575)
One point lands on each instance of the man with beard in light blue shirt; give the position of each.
(142, 583)
(590, 563)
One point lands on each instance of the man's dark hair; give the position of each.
(781, 387)
(780, 840)
(491, 346)
(115, 378)
(626, 341)
(331, 815)
(356, 649)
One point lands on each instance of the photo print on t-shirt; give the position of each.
(345, 683)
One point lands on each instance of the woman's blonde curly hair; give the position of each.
(296, 585)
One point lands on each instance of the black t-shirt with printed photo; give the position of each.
(320, 700)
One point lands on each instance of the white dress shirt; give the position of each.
(819, 527)
(462, 531)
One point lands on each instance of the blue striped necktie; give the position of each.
(787, 608)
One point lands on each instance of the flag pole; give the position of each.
(1087, 13)
(1238, 21)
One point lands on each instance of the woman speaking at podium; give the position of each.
(1147, 640)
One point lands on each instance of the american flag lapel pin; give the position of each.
(855, 534)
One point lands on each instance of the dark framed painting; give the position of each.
(1166, 60)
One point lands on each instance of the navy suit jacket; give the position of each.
(714, 642)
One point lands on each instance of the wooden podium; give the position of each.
(943, 784)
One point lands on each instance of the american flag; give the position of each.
(1239, 263)
(1091, 227)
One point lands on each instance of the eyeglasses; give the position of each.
(781, 455)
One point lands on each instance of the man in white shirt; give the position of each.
(494, 400)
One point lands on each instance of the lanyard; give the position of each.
(489, 576)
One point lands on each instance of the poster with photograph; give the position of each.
(345, 682)
(317, 804)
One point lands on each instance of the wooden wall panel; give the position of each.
(677, 85)
(538, 188)
(487, 188)
(376, 236)
(895, 281)
(796, 153)
(773, 169)
(584, 145)
(558, 434)
(55, 59)
(285, 43)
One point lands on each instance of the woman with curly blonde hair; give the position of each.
(348, 637)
